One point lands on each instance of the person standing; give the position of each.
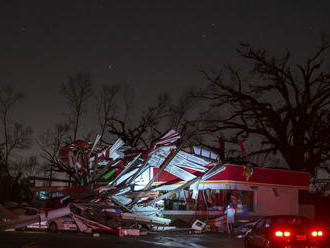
(239, 211)
(230, 211)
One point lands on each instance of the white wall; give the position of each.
(267, 203)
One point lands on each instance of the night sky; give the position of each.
(155, 46)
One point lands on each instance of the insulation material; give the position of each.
(178, 172)
(205, 153)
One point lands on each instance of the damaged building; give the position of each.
(122, 190)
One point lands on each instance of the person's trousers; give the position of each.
(230, 228)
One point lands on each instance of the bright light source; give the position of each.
(279, 234)
(287, 234)
(318, 233)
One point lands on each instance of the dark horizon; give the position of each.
(152, 46)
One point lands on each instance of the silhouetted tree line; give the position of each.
(15, 137)
(271, 100)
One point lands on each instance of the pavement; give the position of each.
(81, 240)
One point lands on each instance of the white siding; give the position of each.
(268, 203)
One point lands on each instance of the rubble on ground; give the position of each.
(116, 193)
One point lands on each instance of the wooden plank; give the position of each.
(162, 167)
(142, 194)
(187, 184)
(127, 167)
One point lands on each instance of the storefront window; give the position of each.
(246, 198)
(207, 200)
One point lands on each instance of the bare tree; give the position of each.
(50, 143)
(15, 136)
(142, 130)
(77, 91)
(183, 117)
(52, 140)
(285, 105)
(105, 106)
(26, 167)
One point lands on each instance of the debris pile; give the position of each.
(118, 190)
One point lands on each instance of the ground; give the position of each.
(80, 240)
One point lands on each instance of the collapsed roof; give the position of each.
(115, 186)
